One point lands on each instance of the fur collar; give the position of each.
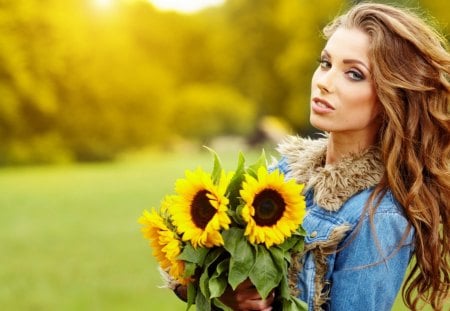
(332, 184)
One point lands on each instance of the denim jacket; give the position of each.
(350, 262)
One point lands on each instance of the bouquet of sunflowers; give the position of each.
(220, 229)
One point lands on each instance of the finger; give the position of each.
(271, 297)
(261, 304)
(245, 285)
(251, 294)
(247, 293)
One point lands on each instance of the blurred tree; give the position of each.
(205, 111)
(438, 12)
(114, 94)
(255, 40)
(75, 85)
(28, 102)
(82, 83)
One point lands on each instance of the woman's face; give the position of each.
(343, 97)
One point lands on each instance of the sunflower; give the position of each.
(199, 211)
(166, 247)
(273, 208)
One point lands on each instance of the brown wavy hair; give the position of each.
(410, 70)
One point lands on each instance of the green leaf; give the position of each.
(189, 269)
(242, 256)
(236, 181)
(283, 287)
(261, 161)
(217, 168)
(195, 255)
(294, 304)
(239, 271)
(212, 256)
(191, 294)
(287, 305)
(222, 267)
(230, 239)
(204, 278)
(235, 217)
(294, 243)
(298, 247)
(218, 281)
(203, 283)
(299, 305)
(202, 303)
(264, 275)
(289, 243)
(301, 231)
(278, 259)
(238, 216)
(221, 305)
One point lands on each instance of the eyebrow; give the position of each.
(349, 61)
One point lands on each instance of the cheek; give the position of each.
(314, 79)
(362, 99)
(362, 106)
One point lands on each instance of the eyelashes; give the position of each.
(353, 74)
(324, 63)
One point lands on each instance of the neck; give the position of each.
(342, 145)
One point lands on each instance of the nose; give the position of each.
(325, 81)
(322, 88)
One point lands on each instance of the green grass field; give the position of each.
(70, 239)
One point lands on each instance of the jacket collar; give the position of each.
(332, 184)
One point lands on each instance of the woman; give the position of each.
(377, 186)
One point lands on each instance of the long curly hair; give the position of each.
(411, 67)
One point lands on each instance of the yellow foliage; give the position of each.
(107, 78)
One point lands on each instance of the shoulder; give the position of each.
(387, 216)
(354, 207)
(321, 223)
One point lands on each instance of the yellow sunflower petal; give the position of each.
(199, 210)
(164, 242)
(274, 208)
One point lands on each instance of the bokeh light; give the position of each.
(103, 3)
(184, 5)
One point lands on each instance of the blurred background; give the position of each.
(104, 103)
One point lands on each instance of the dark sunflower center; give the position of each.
(201, 209)
(269, 207)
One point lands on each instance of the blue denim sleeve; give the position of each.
(369, 271)
(281, 165)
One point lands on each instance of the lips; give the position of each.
(320, 105)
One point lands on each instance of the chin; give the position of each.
(321, 126)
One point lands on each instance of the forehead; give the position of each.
(349, 43)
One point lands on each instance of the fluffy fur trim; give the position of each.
(168, 281)
(332, 184)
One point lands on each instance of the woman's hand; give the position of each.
(246, 298)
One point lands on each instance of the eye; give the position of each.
(355, 75)
(324, 63)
